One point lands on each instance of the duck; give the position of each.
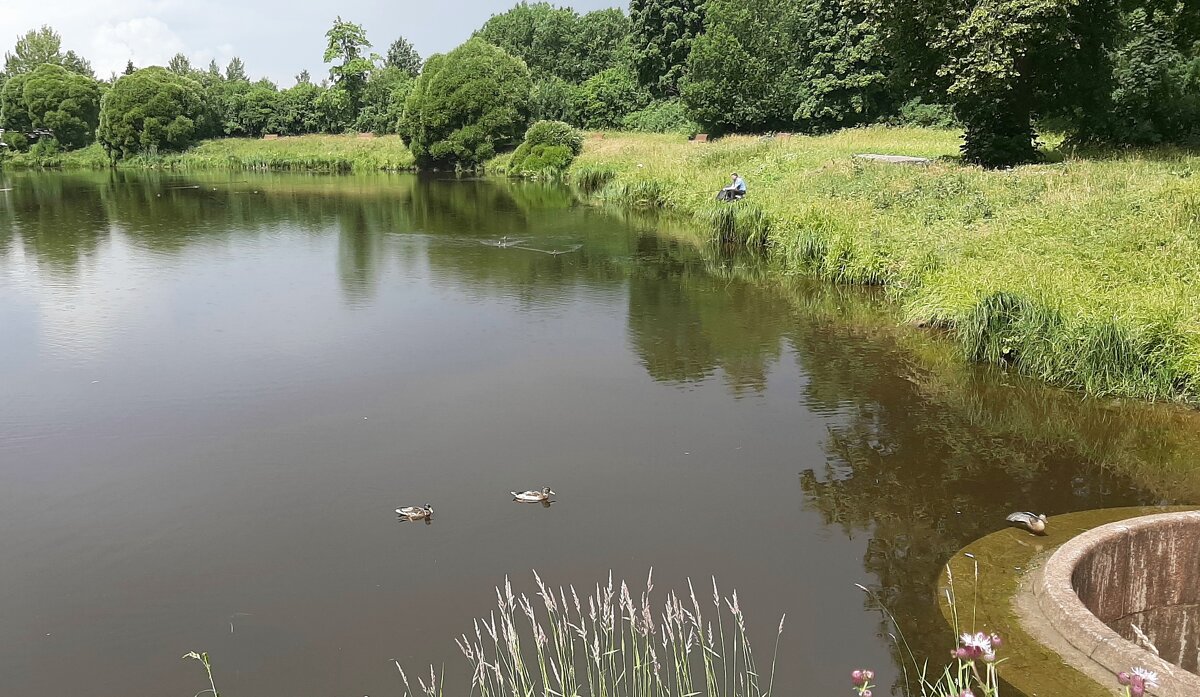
(415, 512)
(533, 496)
(1035, 524)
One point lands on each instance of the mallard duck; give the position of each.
(533, 496)
(1035, 524)
(415, 512)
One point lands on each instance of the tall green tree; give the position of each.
(557, 41)
(347, 44)
(63, 102)
(39, 46)
(744, 72)
(605, 99)
(467, 104)
(383, 100)
(402, 56)
(662, 36)
(14, 113)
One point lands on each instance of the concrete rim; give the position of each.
(1058, 601)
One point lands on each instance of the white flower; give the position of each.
(1149, 676)
(980, 641)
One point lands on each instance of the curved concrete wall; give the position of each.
(1145, 572)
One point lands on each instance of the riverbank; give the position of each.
(1081, 272)
(311, 153)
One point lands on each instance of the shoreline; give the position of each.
(1075, 272)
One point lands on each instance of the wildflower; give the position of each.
(974, 646)
(1148, 676)
(996, 641)
(1123, 678)
(857, 677)
(966, 693)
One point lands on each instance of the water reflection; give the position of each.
(280, 305)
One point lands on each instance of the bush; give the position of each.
(467, 104)
(548, 145)
(666, 116)
(151, 110)
(920, 114)
(14, 114)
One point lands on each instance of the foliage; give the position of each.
(346, 43)
(744, 71)
(296, 110)
(14, 113)
(606, 98)
(552, 98)
(402, 56)
(557, 41)
(63, 102)
(844, 77)
(236, 71)
(662, 33)
(251, 111)
(548, 145)
(664, 116)
(920, 114)
(40, 46)
(467, 104)
(151, 110)
(180, 65)
(383, 101)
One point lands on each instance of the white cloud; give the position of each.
(144, 40)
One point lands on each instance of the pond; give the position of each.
(217, 389)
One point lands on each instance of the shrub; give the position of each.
(467, 104)
(548, 145)
(666, 116)
(64, 103)
(920, 114)
(150, 110)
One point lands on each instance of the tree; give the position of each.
(346, 43)
(383, 101)
(556, 40)
(744, 71)
(236, 71)
(605, 99)
(151, 110)
(63, 102)
(466, 104)
(130, 69)
(402, 56)
(39, 46)
(303, 78)
(662, 36)
(844, 77)
(14, 113)
(250, 110)
(180, 65)
(552, 99)
(296, 110)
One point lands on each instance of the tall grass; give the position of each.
(611, 644)
(1081, 272)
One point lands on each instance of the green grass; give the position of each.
(1082, 272)
(311, 153)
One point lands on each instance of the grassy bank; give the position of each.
(1082, 272)
(312, 153)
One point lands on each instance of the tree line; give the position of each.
(1123, 72)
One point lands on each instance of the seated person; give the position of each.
(735, 191)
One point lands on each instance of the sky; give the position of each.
(276, 38)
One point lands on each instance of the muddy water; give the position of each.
(215, 390)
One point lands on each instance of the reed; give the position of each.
(1080, 271)
(610, 643)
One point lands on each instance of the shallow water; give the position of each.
(216, 389)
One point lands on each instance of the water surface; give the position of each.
(216, 389)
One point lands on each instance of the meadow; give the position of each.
(1081, 271)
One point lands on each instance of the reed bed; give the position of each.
(1080, 272)
(609, 643)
